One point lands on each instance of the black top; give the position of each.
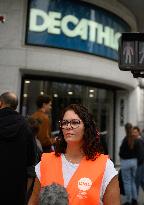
(16, 154)
(136, 152)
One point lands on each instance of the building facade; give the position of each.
(69, 50)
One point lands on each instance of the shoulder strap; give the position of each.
(51, 169)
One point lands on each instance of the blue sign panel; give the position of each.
(74, 25)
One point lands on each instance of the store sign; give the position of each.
(71, 25)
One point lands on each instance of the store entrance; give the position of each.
(99, 101)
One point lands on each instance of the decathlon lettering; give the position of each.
(88, 30)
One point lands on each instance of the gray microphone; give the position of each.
(54, 194)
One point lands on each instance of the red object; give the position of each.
(2, 19)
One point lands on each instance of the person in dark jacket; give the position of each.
(16, 151)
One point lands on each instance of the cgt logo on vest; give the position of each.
(84, 184)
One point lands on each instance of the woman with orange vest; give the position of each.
(77, 163)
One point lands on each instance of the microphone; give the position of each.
(54, 194)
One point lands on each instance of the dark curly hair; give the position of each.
(91, 140)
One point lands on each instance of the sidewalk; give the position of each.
(140, 198)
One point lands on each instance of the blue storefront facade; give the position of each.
(75, 26)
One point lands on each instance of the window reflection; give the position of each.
(98, 101)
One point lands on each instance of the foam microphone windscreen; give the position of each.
(53, 194)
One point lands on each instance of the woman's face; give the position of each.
(72, 127)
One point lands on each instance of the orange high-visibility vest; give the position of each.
(84, 186)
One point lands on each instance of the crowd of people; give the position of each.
(132, 164)
(22, 142)
(78, 171)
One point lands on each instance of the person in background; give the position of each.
(53, 194)
(44, 105)
(17, 152)
(130, 151)
(34, 126)
(77, 163)
(140, 169)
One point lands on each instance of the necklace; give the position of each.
(72, 161)
(69, 165)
